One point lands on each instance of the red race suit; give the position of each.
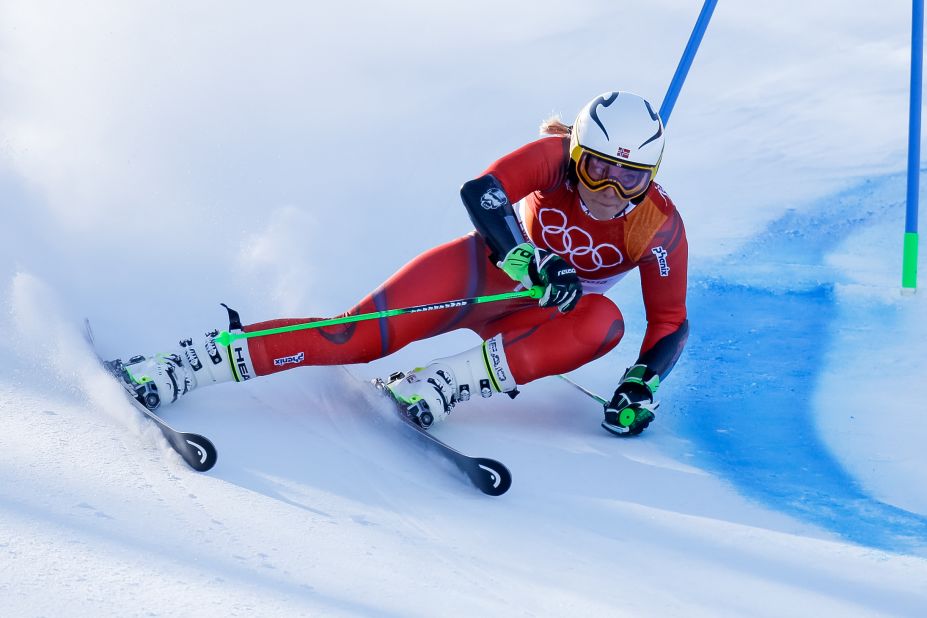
(538, 341)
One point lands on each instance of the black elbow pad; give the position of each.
(492, 214)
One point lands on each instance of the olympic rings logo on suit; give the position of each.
(575, 244)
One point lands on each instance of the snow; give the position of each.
(877, 341)
(156, 159)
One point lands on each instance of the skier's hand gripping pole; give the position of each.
(536, 267)
(631, 408)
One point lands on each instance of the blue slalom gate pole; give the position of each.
(909, 264)
(695, 39)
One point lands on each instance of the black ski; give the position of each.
(488, 475)
(196, 450)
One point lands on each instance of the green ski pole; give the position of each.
(225, 337)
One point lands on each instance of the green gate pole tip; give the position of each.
(909, 268)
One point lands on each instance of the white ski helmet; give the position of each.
(617, 142)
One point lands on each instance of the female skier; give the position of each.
(572, 212)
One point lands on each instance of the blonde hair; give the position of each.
(554, 126)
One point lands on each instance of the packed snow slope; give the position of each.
(318, 504)
(157, 159)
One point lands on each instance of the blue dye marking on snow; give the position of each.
(752, 363)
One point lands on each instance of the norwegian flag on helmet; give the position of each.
(624, 153)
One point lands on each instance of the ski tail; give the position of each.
(197, 451)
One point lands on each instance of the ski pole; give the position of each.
(225, 337)
(604, 402)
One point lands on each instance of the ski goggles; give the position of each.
(597, 172)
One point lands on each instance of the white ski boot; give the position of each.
(430, 393)
(162, 379)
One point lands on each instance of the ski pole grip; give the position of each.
(536, 292)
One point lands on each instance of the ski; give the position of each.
(196, 450)
(488, 475)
